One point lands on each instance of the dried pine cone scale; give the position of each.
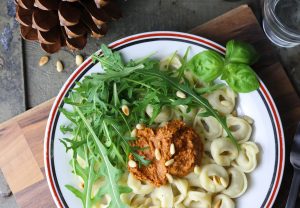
(58, 23)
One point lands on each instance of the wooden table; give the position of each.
(29, 127)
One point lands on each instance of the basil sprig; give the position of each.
(234, 69)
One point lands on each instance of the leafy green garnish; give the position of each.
(208, 65)
(240, 77)
(240, 52)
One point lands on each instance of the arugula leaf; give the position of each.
(112, 174)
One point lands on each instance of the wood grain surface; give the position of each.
(21, 138)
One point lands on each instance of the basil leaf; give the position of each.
(207, 65)
(240, 52)
(240, 77)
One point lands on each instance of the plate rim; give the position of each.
(171, 34)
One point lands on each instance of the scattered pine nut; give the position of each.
(140, 126)
(180, 94)
(43, 60)
(125, 110)
(169, 177)
(218, 204)
(197, 169)
(133, 133)
(131, 163)
(157, 154)
(223, 182)
(169, 162)
(78, 60)
(81, 185)
(59, 66)
(225, 103)
(172, 149)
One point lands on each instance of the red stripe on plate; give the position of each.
(280, 133)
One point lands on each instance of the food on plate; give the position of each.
(162, 133)
(172, 149)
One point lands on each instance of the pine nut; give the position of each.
(169, 177)
(223, 182)
(131, 163)
(172, 149)
(197, 169)
(81, 185)
(157, 154)
(43, 60)
(218, 204)
(78, 60)
(59, 66)
(248, 119)
(125, 110)
(133, 133)
(226, 103)
(180, 94)
(169, 162)
(139, 126)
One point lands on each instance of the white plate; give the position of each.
(264, 182)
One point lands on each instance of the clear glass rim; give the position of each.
(269, 7)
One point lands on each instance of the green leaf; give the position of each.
(112, 174)
(240, 77)
(240, 52)
(207, 65)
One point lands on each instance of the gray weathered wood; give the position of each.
(12, 99)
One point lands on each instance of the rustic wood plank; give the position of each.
(40, 191)
(27, 130)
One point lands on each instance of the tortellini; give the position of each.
(247, 158)
(222, 201)
(137, 186)
(238, 183)
(163, 196)
(210, 127)
(181, 112)
(164, 115)
(213, 178)
(181, 190)
(197, 199)
(239, 128)
(223, 100)
(223, 151)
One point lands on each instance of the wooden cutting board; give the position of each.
(21, 138)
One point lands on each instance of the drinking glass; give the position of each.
(281, 22)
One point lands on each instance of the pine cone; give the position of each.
(57, 23)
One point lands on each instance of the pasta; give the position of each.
(239, 128)
(213, 178)
(163, 196)
(238, 183)
(223, 151)
(222, 201)
(223, 100)
(247, 158)
(164, 115)
(197, 199)
(137, 186)
(210, 127)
